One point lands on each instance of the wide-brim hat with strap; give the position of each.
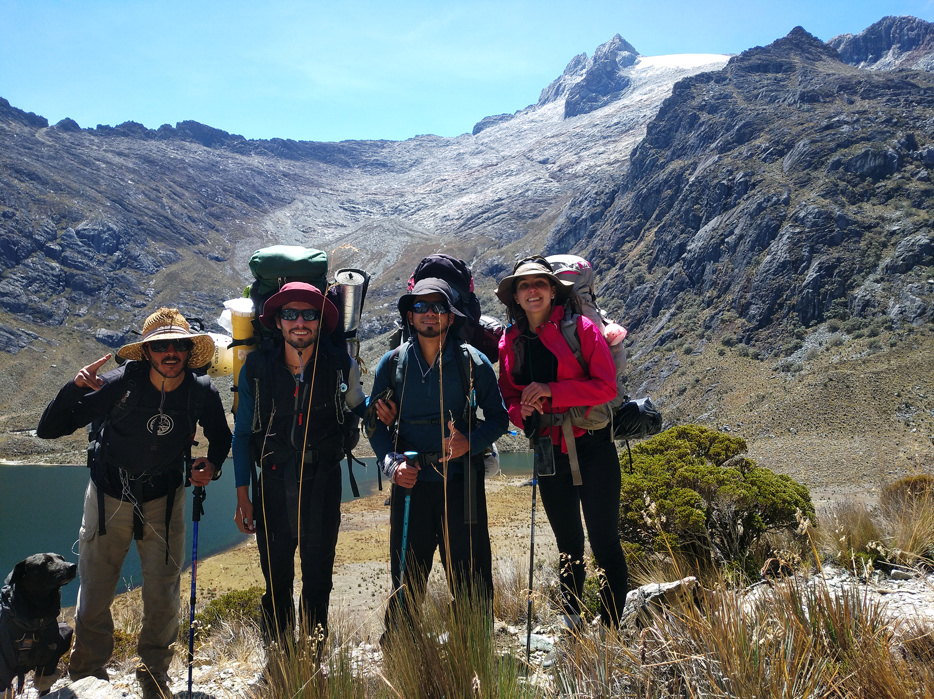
(300, 292)
(169, 324)
(532, 267)
(426, 287)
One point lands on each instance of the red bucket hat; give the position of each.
(303, 293)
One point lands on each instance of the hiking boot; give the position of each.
(153, 685)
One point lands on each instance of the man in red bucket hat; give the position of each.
(294, 405)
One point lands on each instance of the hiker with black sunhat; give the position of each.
(438, 384)
(143, 419)
(291, 420)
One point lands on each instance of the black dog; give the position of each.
(31, 638)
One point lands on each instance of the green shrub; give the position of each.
(238, 606)
(852, 325)
(692, 491)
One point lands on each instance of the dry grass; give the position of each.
(898, 532)
(797, 638)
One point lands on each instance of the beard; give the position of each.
(171, 370)
(430, 331)
(301, 342)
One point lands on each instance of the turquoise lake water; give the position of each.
(41, 511)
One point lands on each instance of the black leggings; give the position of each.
(598, 496)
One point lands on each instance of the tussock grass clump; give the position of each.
(899, 532)
(852, 535)
(450, 650)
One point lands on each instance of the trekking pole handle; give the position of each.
(411, 459)
(198, 496)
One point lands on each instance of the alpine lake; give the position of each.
(42, 513)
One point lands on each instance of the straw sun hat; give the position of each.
(169, 324)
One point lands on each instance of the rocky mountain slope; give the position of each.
(778, 208)
(100, 224)
(760, 225)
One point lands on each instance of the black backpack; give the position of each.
(134, 374)
(276, 265)
(481, 331)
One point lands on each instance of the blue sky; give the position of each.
(350, 69)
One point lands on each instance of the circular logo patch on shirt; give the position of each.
(160, 425)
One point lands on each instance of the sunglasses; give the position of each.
(438, 307)
(181, 345)
(308, 314)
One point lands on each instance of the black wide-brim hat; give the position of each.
(424, 287)
(300, 292)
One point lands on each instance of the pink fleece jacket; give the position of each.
(574, 386)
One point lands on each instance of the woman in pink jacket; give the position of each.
(540, 377)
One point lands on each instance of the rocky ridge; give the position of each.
(893, 42)
(767, 192)
(755, 206)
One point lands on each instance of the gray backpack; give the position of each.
(583, 301)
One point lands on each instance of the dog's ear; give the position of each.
(19, 570)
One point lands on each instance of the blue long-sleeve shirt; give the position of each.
(419, 401)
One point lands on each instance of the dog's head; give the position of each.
(39, 579)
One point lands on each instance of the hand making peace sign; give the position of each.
(87, 377)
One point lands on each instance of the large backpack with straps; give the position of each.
(134, 374)
(468, 359)
(276, 265)
(631, 419)
(583, 301)
(481, 331)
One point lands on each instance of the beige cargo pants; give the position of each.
(100, 559)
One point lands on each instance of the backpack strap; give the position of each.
(563, 420)
(569, 331)
(122, 408)
(467, 359)
(349, 422)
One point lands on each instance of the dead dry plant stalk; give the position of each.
(910, 530)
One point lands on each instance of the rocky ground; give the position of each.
(361, 586)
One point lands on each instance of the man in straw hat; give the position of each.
(439, 383)
(293, 421)
(143, 418)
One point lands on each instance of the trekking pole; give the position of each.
(197, 509)
(528, 628)
(410, 457)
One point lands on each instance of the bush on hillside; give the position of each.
(238, 606)
(692, 491)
